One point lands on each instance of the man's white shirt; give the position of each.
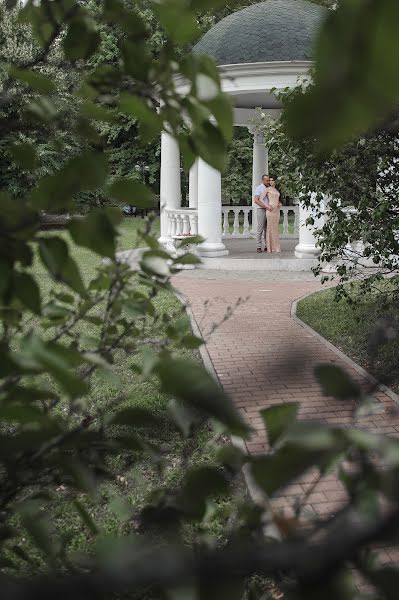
(260, 190)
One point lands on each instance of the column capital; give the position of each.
(259, 137)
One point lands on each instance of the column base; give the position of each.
(306, 251)
(212, 250)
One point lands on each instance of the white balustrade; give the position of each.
(236, 222)
(182, 222)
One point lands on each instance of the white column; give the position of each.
(210, 211)
(307, 241)
(170, 188)
(260, 166)
(193, 186)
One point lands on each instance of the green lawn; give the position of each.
(350, 327)
(121, 500)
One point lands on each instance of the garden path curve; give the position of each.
(262, 356)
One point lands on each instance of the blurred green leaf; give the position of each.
(87, 171)
(191, 342)
(132, 192)
(150, 122)
(122, 509)
(355, 81)
(131, 22)
(183, 416)
(55, 256)
(87, 519)
(187, 259)
(149, 361)
(385, 579)
(42, 109)
(59, 361)
(190, 383)
(222, 110)
(134, 417)
(24, 155)
(179, 22)
(27, 291)
(37, 81)
(91, 110)
(192, 239)
(82, 39)
(155, 265)
(274, 472)
(210, 145)
(37, 524)
(198, 486)
(97, 231)
(22, 414)
(278, 419)
(336, 382)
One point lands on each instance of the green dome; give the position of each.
(271, 31)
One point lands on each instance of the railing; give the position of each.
(238, 231)
(182, 221)
(236, 222)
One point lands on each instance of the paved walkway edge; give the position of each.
(351, 363)
(257, 495)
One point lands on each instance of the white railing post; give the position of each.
(246, 222)
(169, 224)
(193, 219)
(226, 226)
(179, 229)
(285, 219)
(236, 224)
(186, 224)
(173, 224)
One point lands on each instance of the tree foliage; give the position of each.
(53, 437)
(353, 188)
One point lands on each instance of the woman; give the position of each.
(272, 238)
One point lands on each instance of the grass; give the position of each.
(122, 499)
(351, 328)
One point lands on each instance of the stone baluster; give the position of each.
(186, 224)
(246, 221)
(193, 218)
(226, 226)
(169, 224)
(179, 228)
(173, 224)
(236, 225)
(285, 221)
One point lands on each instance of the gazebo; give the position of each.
(264, 47)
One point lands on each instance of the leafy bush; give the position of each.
(54, 436)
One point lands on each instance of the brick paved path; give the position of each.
(262, 356)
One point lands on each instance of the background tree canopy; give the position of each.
(124, 145)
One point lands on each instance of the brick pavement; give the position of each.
(262, 357)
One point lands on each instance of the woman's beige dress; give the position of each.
(273, 220)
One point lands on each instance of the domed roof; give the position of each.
(271, 31)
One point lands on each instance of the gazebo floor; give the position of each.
(243, 256)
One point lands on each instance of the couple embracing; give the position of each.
(267, 199)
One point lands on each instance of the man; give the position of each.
(262, 207)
